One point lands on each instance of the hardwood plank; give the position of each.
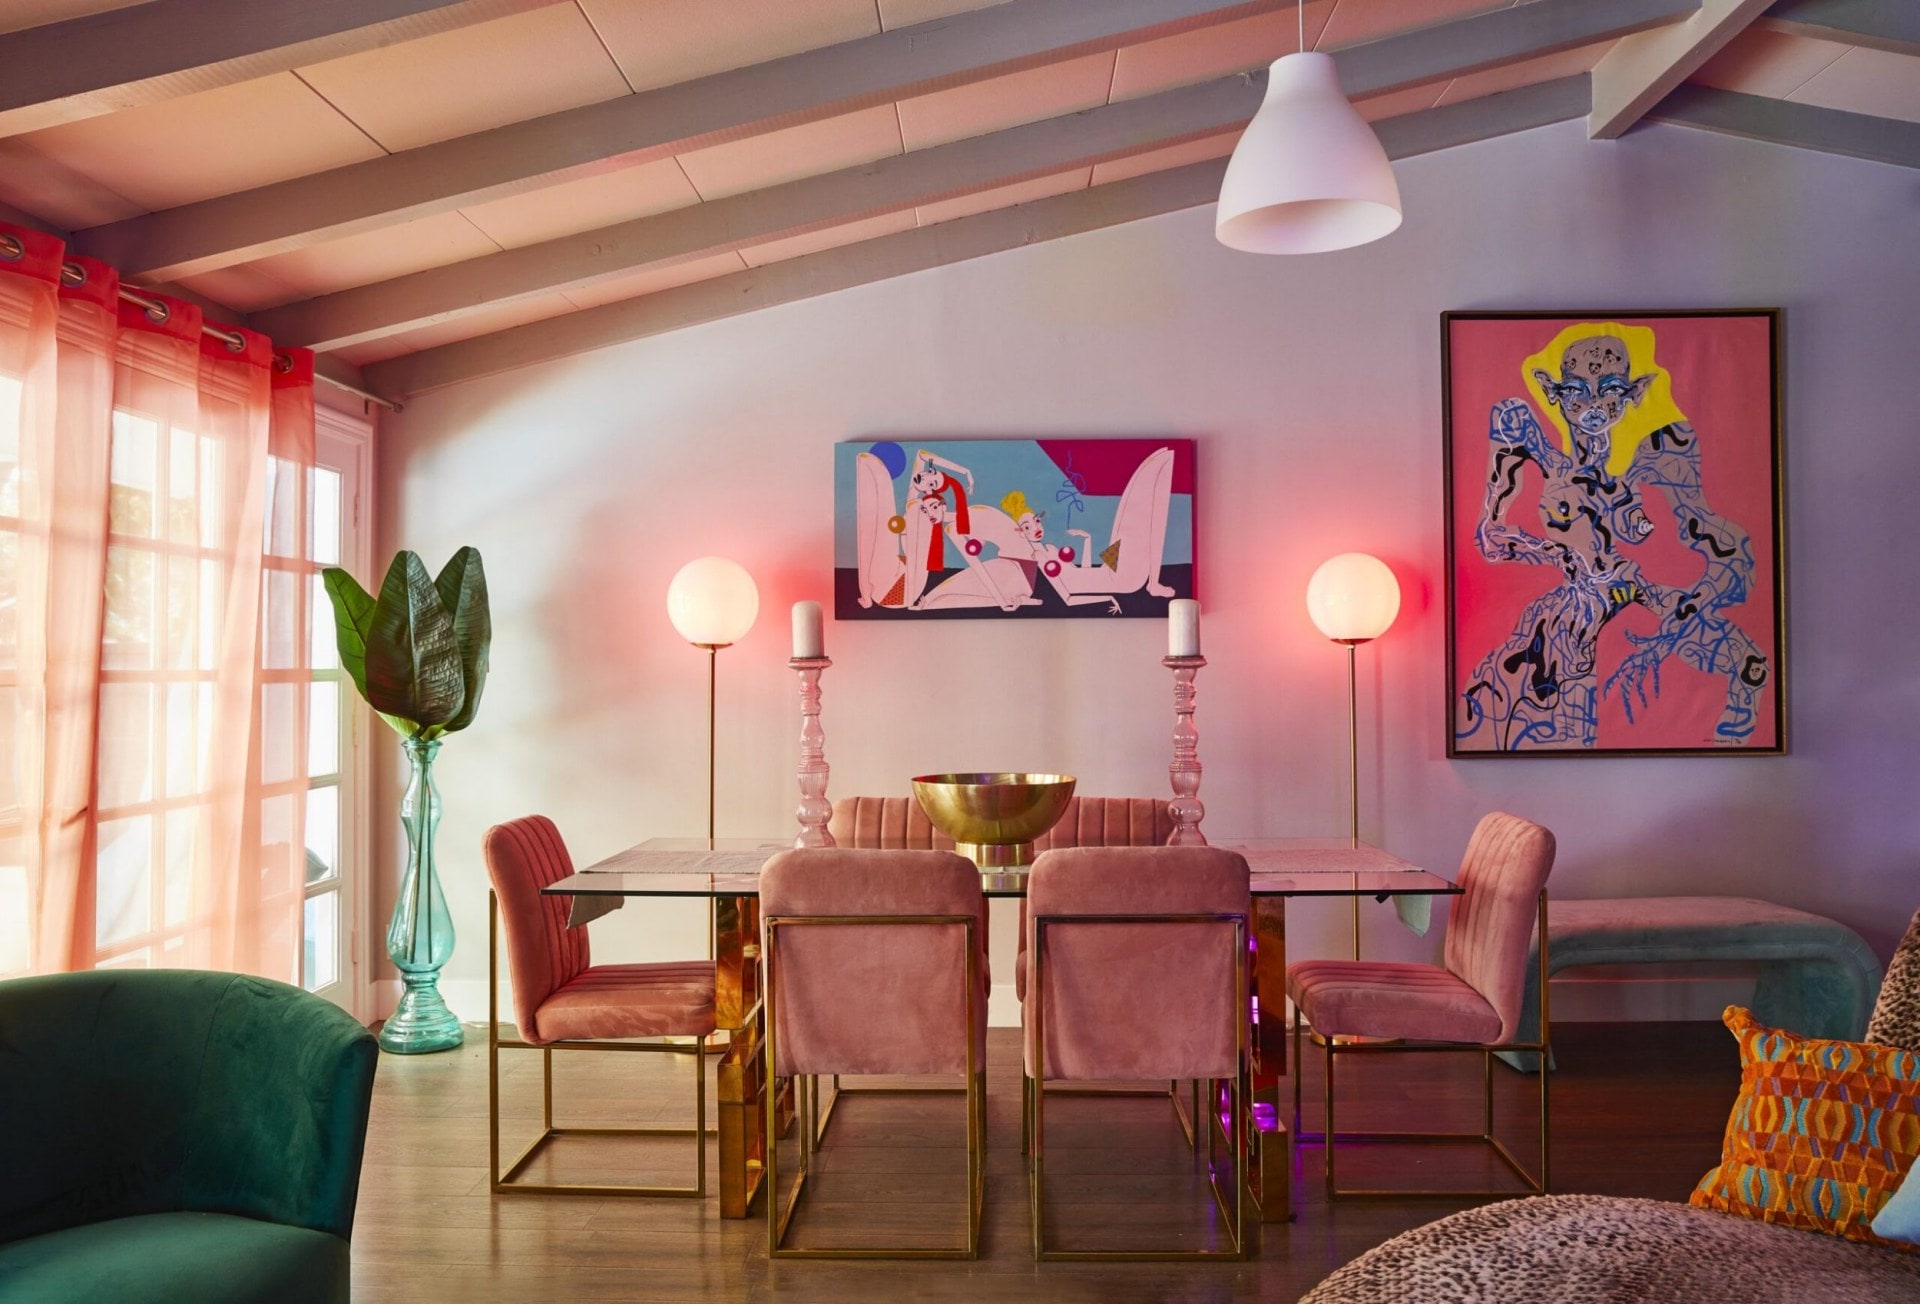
(1666, 1087)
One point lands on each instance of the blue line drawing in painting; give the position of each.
(1621, 435)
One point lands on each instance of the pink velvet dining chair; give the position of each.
(1472, 1002)
(563, 1001)
(898, 822)
(875, 964)
(1139, 972)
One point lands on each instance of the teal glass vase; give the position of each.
(420, 934)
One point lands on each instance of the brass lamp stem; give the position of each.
(1353, 775)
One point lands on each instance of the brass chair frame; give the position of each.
(1035, 1098)
(503, 1183)
(812, 1128)
(1334, 1047)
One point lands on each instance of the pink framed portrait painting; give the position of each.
(1614, 569)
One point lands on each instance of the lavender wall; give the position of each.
(1313, 387)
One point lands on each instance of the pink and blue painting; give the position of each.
(1011, 528)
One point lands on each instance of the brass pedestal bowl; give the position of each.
(994, 817)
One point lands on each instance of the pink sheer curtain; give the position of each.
(29, 381)
(130, 670)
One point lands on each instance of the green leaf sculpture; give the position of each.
(418, 652)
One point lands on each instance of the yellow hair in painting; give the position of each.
(1015, 505)
(1655, 410)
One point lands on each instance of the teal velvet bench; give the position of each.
(1817, 976)
(177, 1135)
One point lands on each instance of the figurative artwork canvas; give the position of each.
(1613, 533)
(1022, 528)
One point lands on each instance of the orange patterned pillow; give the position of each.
(1822, 1132)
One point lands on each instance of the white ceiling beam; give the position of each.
(1641, 69)
(144, 53)
(891, 185)
(1493, 40)
(1784, 122)
(927, 247)
(926, 176)
(1890, 25)
(652, 124)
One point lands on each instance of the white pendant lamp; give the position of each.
(1308, 175)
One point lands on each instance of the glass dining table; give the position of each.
(728, 875)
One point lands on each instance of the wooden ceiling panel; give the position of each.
(788, 155)
(485, 322)
(1524, 73)
(377, 255)
(907, 13)
(1157, 160)
(652, 280)
(1872, 82)
(660, 42)
(18, 15)
(1024, 192)
(794, 246)
(1395, 103)
(1355, 21)
(1001, 102)
(244, 289)
(459, 82)
(1761, 62)
(614, 194)
(1209, 52)
(231, 138)
(53, 192)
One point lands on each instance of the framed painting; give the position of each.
(943, 529)
(1614, 505)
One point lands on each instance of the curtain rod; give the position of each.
(72, 274)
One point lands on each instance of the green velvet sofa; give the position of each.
(177, 1135)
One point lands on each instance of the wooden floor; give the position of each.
(1638, 1109)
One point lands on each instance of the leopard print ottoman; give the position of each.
(1595, 1249)
(1896, 1015)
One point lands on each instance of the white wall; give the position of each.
(1313, 388)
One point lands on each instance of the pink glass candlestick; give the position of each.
(814, 810)
(1186, 807)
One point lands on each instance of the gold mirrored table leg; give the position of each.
(1270, 1160)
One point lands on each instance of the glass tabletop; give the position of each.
(686, 867)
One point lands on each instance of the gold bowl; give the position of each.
(994, 817)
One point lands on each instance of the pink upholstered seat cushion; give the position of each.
(874, 998)
(1365, 998)
(1137, 1000)
(630, 1000)
(558, 995)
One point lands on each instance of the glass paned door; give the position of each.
(325, 768)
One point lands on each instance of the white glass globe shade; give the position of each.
(1308, 175)
(713, 601)
(1353, 597)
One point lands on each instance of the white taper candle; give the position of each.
(1183, 628)
(808, 640)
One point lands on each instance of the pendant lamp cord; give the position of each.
(1300, 13)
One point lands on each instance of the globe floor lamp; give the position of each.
(712, 602)
(1353, 599)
